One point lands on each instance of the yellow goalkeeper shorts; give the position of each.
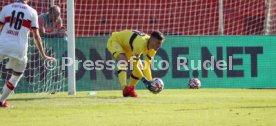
(115, 48)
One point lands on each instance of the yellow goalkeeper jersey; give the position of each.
(132, 43)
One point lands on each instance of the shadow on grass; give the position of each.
(244, 107)
(109, 97)
(255, 107)
(27, 99)
(64, 97)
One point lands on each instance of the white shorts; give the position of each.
(14, 64)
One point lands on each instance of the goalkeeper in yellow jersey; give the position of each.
(126, 47)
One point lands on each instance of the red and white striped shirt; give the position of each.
(18, 19)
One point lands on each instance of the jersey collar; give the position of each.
(20, 1)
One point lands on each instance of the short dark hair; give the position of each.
(157, 34)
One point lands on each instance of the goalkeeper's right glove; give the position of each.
(148, 83)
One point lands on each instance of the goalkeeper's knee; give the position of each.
(122, 62)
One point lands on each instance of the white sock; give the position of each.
(6, 90)
(5, 93)
(15, 79)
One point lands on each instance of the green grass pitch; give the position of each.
(203, 107)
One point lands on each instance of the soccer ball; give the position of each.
(194, 83)
(157, 85)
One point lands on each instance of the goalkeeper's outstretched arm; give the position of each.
(147, 65)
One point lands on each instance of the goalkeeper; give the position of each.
(127, 46)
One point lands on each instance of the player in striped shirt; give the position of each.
(16, 21)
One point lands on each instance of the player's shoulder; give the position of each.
(134, 31)
(131, 32)
(126, 31)
(20, 5)
(8, 6)
(43, 16)
(32, 10)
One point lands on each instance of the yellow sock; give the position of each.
(136, 74)
(133, 79)
(123, 78)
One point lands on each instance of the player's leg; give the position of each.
(17, 73)
(9, 87)
(129, 90)
(116, 50)
(134, 80)
(122, 61)
(122, 75)
(134, 75)
(122, 69)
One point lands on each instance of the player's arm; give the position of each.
(37, 38)
(50, 35)
(147, 80)
(137, 72)
(2, 19)
(1, 26)
(60, 26)
(147, 65)
(38, 43)
(41, 30)
(43, 33)
(61, 32)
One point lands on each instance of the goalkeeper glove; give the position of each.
(148, 84)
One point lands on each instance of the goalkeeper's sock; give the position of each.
(133, 79)
(122, 75)
(9, 87)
